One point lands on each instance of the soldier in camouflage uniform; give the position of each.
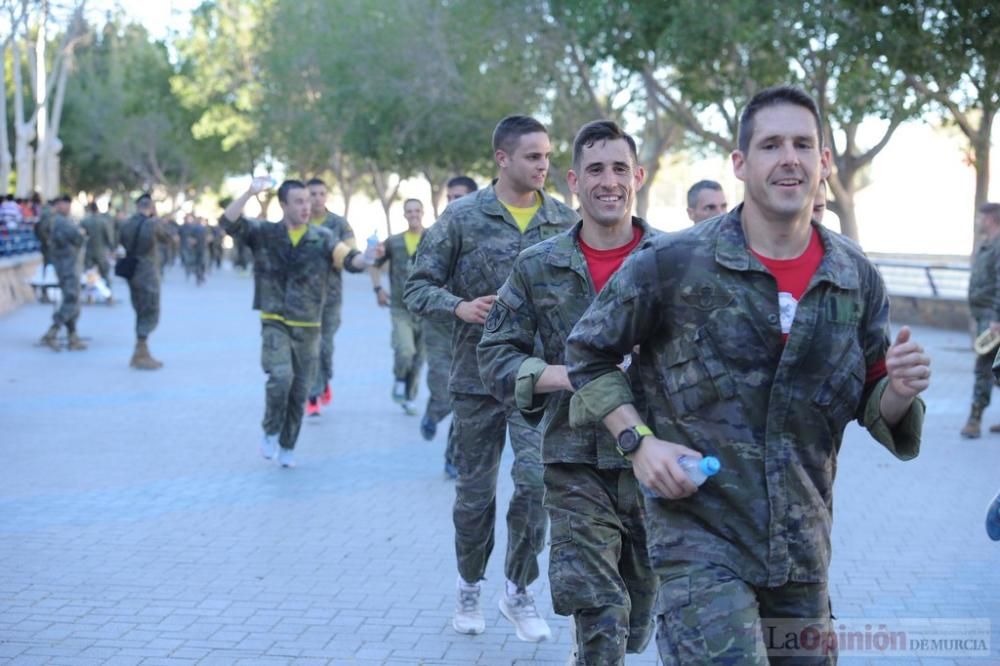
(437, 350)
(320, 393)
(292, 264)
(215, 236)
(407, 339)
(984, 305)
(740, 362)
(193, 237)
(65, 244)
(705, 200)
(143, 235)
(465, 258)
(599, 570)
(100, 242)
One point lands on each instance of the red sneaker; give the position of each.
(312, 407)
(327, 396)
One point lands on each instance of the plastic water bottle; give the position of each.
(263, 182)
(370, 249)
(697, 470)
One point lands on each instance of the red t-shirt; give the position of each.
(793, 276)
(603, 263)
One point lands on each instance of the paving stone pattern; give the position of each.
(138, 525)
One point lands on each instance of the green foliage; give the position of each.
(122, 126)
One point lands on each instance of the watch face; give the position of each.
(628, 441)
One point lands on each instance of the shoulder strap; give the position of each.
(135, 239)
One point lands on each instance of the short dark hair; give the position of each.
(415, 201)
(509, 131)
(287, 187)
(601, 130)
(991, 209)
(63, 198)
(91, 207)
(692, 194)
(144, 201)
(774, 96)
(315, 181)
(463, 181)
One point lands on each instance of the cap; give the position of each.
(710, 465)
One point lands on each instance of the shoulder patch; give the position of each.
(497, 316)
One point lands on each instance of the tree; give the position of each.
(701, 68)
(220, 77)
(125, 127)
(39, 169)
(949, 51)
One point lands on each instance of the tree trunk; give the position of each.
(981, 157)
(386, 193)
(437, 187)
(6, 161)
(24, 132)
(42, 109)
(842, 186)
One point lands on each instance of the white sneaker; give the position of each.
(520, 609)
(286, 457)
(269, 446)
(399, 391)
(409, 408)
(468, 617)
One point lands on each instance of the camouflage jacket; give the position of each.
(100, 233)
(290, 282)
(342, 232)
(399, 268)
(145, 234)
(468, 253)
(984, 281)
(65, 241)
(719, 380)
(43, 229)
(547, 292)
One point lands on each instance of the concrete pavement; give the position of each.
(138, 525)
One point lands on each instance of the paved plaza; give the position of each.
(138, 525)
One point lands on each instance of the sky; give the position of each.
(158, 16)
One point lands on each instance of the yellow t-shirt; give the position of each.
(295, 235)
(411, 238)
(318, 220)
(523, 215)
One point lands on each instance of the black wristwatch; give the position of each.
(630, 439)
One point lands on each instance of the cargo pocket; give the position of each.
(571, 578)
(677, 624)
(694, 375)
(839, 395)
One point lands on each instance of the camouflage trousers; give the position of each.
(145, 296)
(331, 324)
(437, 351)
(480, 429)
(982, 390)
(599, 570)
(705, 614)
(100, 259)
(69, 308)
(407, 350)
(288, 356)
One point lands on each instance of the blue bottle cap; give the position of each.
(710, 465)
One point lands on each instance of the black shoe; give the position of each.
(428, 427)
